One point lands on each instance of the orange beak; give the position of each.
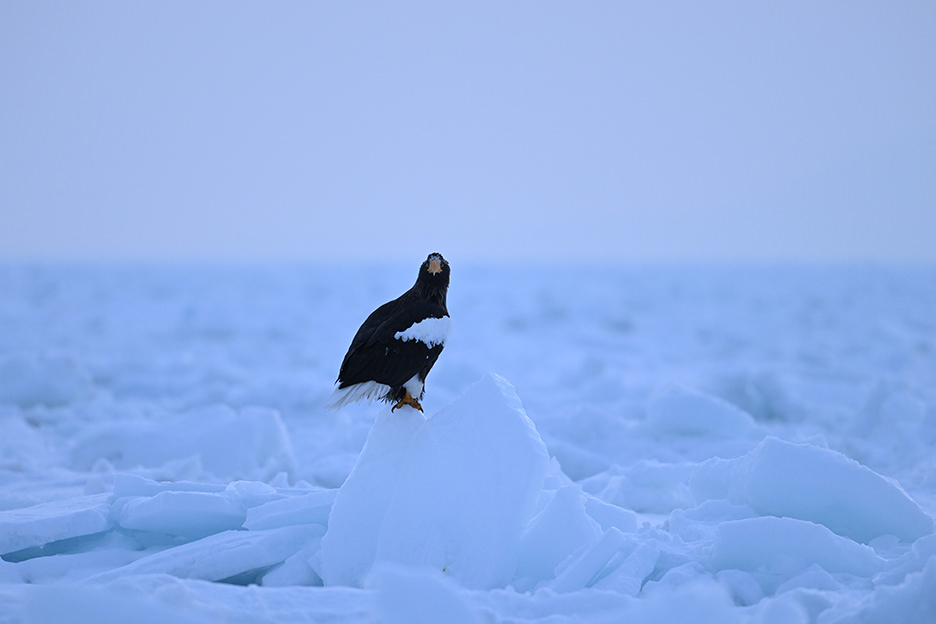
(435, 266)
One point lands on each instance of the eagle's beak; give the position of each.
(435, 266)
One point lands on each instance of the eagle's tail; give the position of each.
(369, 390)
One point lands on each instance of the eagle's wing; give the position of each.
(375, 355)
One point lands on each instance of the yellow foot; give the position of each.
(408, 400)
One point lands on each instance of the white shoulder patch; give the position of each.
(431, 331)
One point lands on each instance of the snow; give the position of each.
(408, 594)
(601, 445)
(431, 331)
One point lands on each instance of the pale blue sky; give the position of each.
(630, 131)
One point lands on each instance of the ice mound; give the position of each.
(644, 486)
(48, 380)
(250, 443)
(242, 532)
(220, 556)
(561, 528)
(805, 482)
(49, 522)
(786, 546)
(349, 547)
(167, 512)
(452, 494)
(676, 410)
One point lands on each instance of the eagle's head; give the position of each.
(433, 279)
(435, 264)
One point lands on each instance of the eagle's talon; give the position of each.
(407, 400)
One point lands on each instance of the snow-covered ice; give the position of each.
(598, 445)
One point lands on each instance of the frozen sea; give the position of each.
(657, 444)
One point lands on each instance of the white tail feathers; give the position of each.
(369, 390)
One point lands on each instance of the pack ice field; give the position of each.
(596, 445)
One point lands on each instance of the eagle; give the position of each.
(398, 344)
